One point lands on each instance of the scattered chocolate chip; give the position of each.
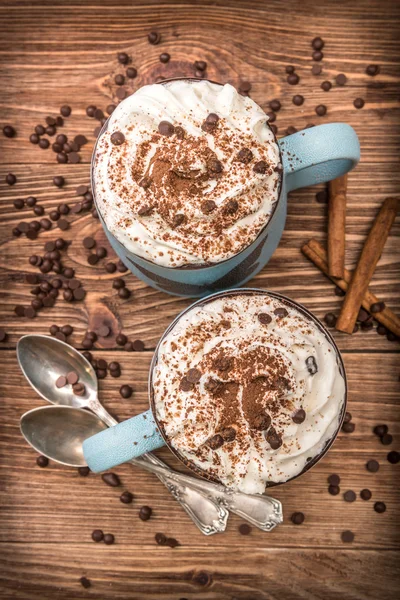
(316, 69)
(117, 138)
(334, 479)
(275, 105)
(166, 128)
(89, 242)
(244, 529)
(72, 377)
(11, 179)
(380, 430)
(193, 375)
(330, 319)
(109, 539)
(85, 582)
(347, 537)
(386, 439)
(273, 438)
(293, 79)
(334, 490)
(104, 331)
(215, 442)
(154, 38)
(83, 471)
(65, 110)
(145, 513)
(393, 457)
(365, 494)
(160, 539)
(299, 416)
(297, 518)
(348, 427)
(111, 479)
(42, 461)
(92, 259)
(228, 434)
(341, 79)
(349, 496)
(264, 318)
(215, 166)
(326, 86)
(317, 55)
(185, 385)
(289, 69)
(359, 103)
(318, 43)
(260, 167)
(61, 381)
(377, 307)
(291, 130)
(322, 197)
(261, 422)
(178, 220)
(208, 206)
(165, 57)
(9, 131)
(79, 389)
(244, 87)
(101, 252)
(97, 535)
(124, 293)
(121, 94)
(244, 155)
(200, 65)
(271, 117)
(380, 507)
(320, 110)
(372, 466)
(231, 207)
(119, 79)
(19, 203)
(372, 70)
(298, 100)
(3, 335)
(125, 391)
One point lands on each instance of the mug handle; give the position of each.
(121, 443)
(319, 154)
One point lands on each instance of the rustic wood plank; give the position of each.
(52, 53)
(34, 571)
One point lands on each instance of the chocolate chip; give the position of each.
(72, 377)
(109, 539)
(326, 86)
(3, 335)
(124, 293)
(377, 307)
(131, 72)
(164, 57)
(111, 479)
(334, 490)
(119, 80)
(316, 70)
(154, 38)
(244, 529)
(330, 319)
(380, 430)
(393, 457)
(213, 386)
(79, 294)
(160, 539)
(145, 513)
(104, 331)
(298, 100)
(281, 313)
(244, 155)
(386, 439)
(65, 110)
(273, 438)
(334, 479)
(11, 179)
(228, 434)
(318, 43)
(311, 365)
(380, 507)
(349, 496)
(264, 318)
(178, 220)
(299, 416)
(19, 203)
(297, 518)
(348, 427)
(322, 197)
(347, 537)
(260, 167)
(273, 128)
(291, 130)
(85, 582)
(293, 79)
(289, 69)
(79, 389)
(166, 128)
(97, 535)
(93, 259)
(121, 94)
(42, 461)
(317, 55)
(185, 385)
(9, 131)
(320, 110)
(101, 252)
(365, 494)
(372, 466)
(215, 442)
(271, 117)
(244, 87)
(44, 144)
(231, 207)
(359, 103)
(208, 206)
(125, 391)
(275, 105)
(215, 166)
(61, 381)
(193, 375)
(372, 70)
(261, 422)
(117, 138)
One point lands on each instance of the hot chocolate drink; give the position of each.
(187, 173)
(248, 388)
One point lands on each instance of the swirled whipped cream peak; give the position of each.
(248, 389)
(187, 172)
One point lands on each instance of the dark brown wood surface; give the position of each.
(54, 53)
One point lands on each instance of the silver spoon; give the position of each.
(42, 359)
(58, 432)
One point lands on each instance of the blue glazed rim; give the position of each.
(198, 265)
(289, 302)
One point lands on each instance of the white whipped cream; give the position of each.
(202, 238)
(191, 418)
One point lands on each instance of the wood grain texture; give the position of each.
(57, 52)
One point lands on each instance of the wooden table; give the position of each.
(65, 53)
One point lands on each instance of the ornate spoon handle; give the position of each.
(207, 513)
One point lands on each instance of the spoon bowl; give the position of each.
(59, 431)
(43, 359)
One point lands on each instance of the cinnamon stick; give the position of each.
(318, 255)
(337, 225)
(367, 262)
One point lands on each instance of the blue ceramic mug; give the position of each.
(311, 156)
(142, 434)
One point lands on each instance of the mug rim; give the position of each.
(285, 300)
(196, 265)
